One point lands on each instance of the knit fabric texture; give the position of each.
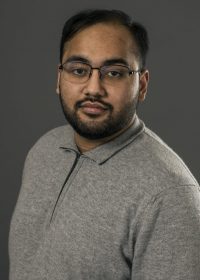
(128, 209)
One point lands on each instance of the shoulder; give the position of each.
(159, 152)
(51, 142)
(57, 135)
(155, 166)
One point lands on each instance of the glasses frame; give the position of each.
(130, 71)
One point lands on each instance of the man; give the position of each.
(104, 197)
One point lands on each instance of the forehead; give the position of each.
(101, 42)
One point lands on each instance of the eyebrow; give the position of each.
(114, 60)
(77, 58)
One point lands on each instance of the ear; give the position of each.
(58, 81)
(144, 80)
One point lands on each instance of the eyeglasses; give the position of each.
(79, 72)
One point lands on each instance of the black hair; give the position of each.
(88, 18)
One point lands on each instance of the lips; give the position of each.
(93, 108)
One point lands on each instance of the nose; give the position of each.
(94, 84)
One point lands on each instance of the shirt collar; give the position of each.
(105, 151)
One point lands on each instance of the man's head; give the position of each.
(88, 18)
(102, 72)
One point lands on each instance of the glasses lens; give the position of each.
(115, 74)
(76, 72)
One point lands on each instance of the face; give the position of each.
(94, 109)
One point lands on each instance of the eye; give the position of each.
(79, 71)
(114, 74)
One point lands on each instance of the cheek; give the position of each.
(70, 93)
(122, 96)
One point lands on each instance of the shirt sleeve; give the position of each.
(167, 242)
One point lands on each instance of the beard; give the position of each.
(94, 129)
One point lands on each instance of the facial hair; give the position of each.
(95, 129)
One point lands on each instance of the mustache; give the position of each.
(93, 99)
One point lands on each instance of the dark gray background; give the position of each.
(29, 43)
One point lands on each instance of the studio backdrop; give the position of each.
(29, 48)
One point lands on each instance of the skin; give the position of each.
(97, 44)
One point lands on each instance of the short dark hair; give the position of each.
(90, 17)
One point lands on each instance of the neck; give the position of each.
(85, 144)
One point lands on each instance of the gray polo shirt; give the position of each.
(128, 209)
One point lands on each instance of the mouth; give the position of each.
(93, 108)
